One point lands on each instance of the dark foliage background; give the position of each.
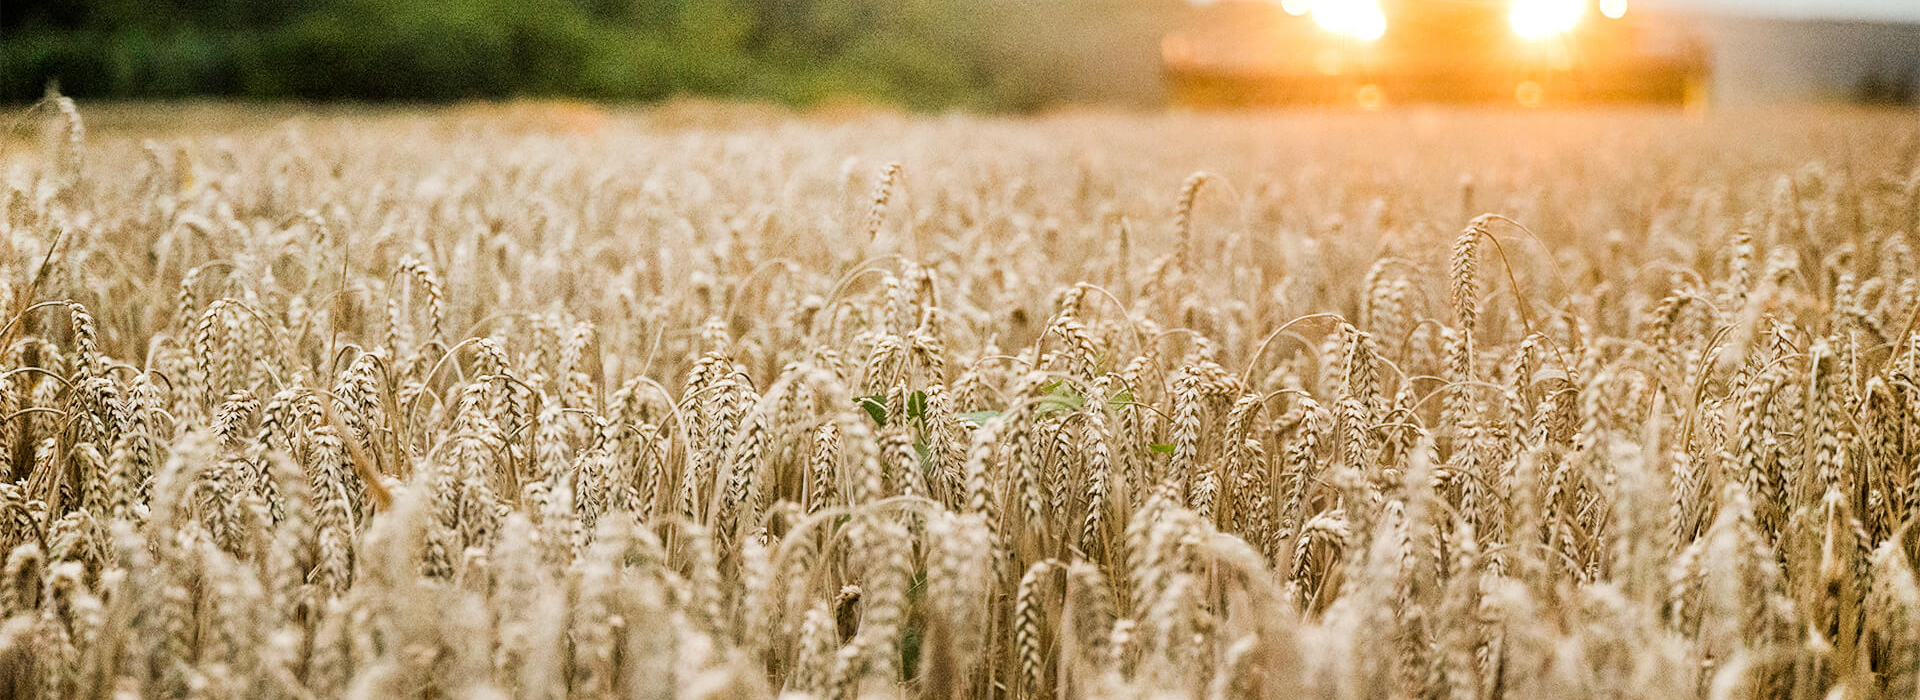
(922, 54)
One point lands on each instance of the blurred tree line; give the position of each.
(924, 54)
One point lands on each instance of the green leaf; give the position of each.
(876, 408)
(917, 404)
(1120, 400)
(979, 417)
(1060, 397)
(927, 467)
(1161, 447)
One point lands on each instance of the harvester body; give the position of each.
(1375, 52)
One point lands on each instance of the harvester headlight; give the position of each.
(1359, 19)
(1539, 19)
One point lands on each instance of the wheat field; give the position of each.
(705, 402)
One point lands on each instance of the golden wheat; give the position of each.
(420, 405)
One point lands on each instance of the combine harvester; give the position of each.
(1370, 53)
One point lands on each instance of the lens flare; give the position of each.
(1613, 9)
(1296, 7)
(1360, 19)
(1539, 19)
(1370, 97)
(1528, 93)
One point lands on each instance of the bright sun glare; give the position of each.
(1531, 19)
(1360, 19)
(1539, 19)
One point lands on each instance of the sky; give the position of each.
(1898, 10)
